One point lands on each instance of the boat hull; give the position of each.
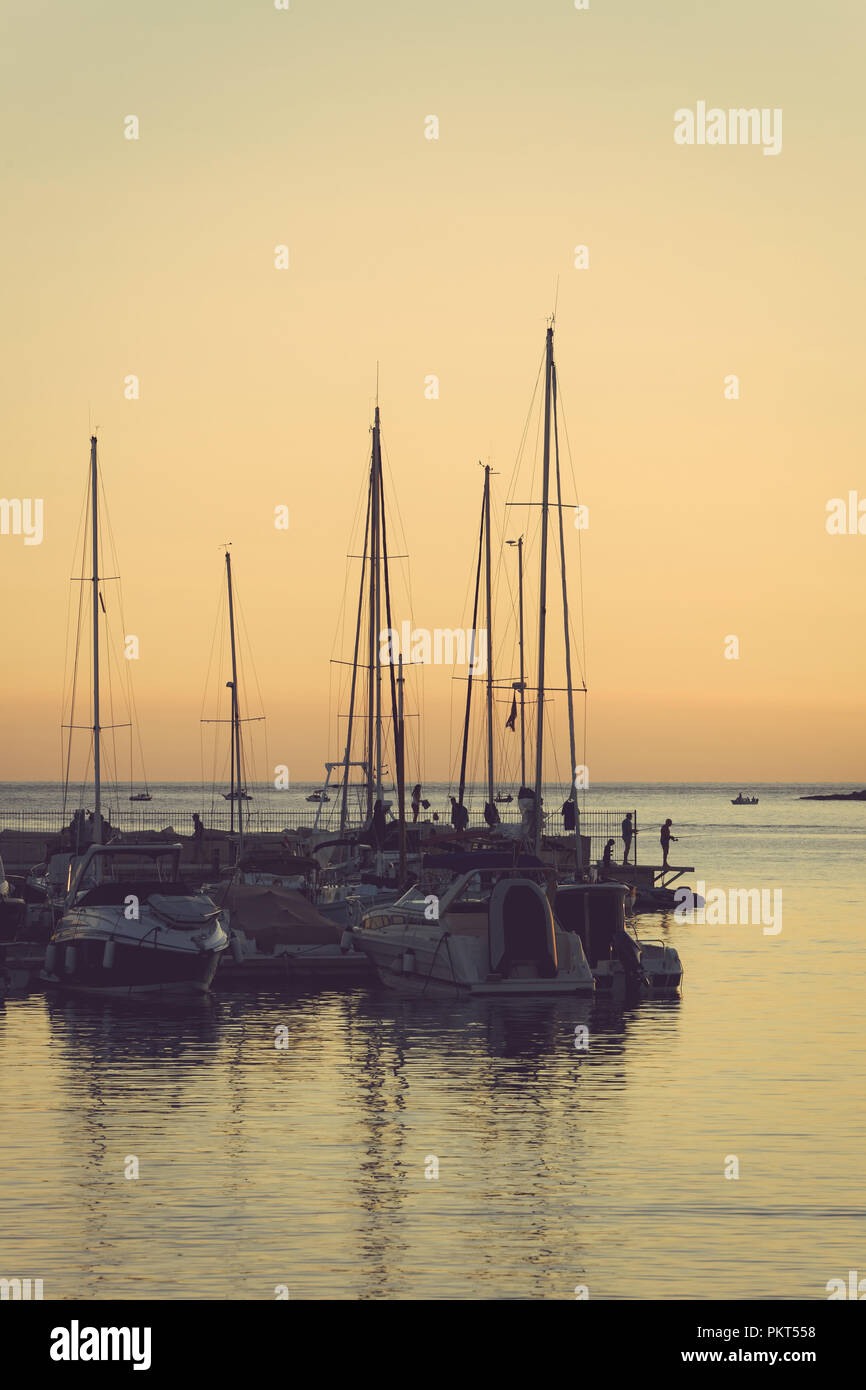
(136, 969)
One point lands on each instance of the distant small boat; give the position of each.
(236, 796)
(744, 800)
(502, 798)
(318, 796)
(141, 796)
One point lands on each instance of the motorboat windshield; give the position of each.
(125, 864)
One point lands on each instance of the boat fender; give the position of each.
(237, 949)
(108, 955)
(70, 960)
(408, 962)
(347, 940)
(50, 958)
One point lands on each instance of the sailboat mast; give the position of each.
(570, 692)
(231, 686)
(236, 716)
(489, 635)
(542, 597)
(522, 673)
(377, 533)
(401, 771)
(94, 527)
(371, 623)
(462, 787)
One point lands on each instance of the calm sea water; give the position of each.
(306, 1167)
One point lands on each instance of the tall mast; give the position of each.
(519, 544)
(401, 772)
(486, 524)
(94, 527)
(236, 715)
(373, 654)
(571, 740)
(462, 787)
(542, 597)
(377, 535)
(231, 687)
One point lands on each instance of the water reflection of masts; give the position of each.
(381, 1182)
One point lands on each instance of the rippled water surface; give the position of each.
(306, 1166)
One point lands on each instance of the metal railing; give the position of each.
(598, 825)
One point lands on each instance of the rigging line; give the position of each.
(245, 647)
(248, 661)
(521, 446)
(399, 752)
(64, 689)
(217, 628)
(566, 624)
(108, 530)
(407, 572)
(344, 793)
(357, 511)
(582, 661)
(83, 533)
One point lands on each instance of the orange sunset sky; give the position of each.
(261, 127)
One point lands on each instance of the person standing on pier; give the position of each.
(416, 801)
(198, 835)
(627, 833)
(665, 837)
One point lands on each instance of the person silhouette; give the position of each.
(606, 858)
(665, 838)
(627, 828)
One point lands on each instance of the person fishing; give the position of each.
(627, 833)
(569, 819)
(459, 815)
(665, 838)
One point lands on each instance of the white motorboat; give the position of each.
(130, 926)
(492, 932)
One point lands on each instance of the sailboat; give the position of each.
(513, 930)
(374, 614)
(237, 790)
(128, 924)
